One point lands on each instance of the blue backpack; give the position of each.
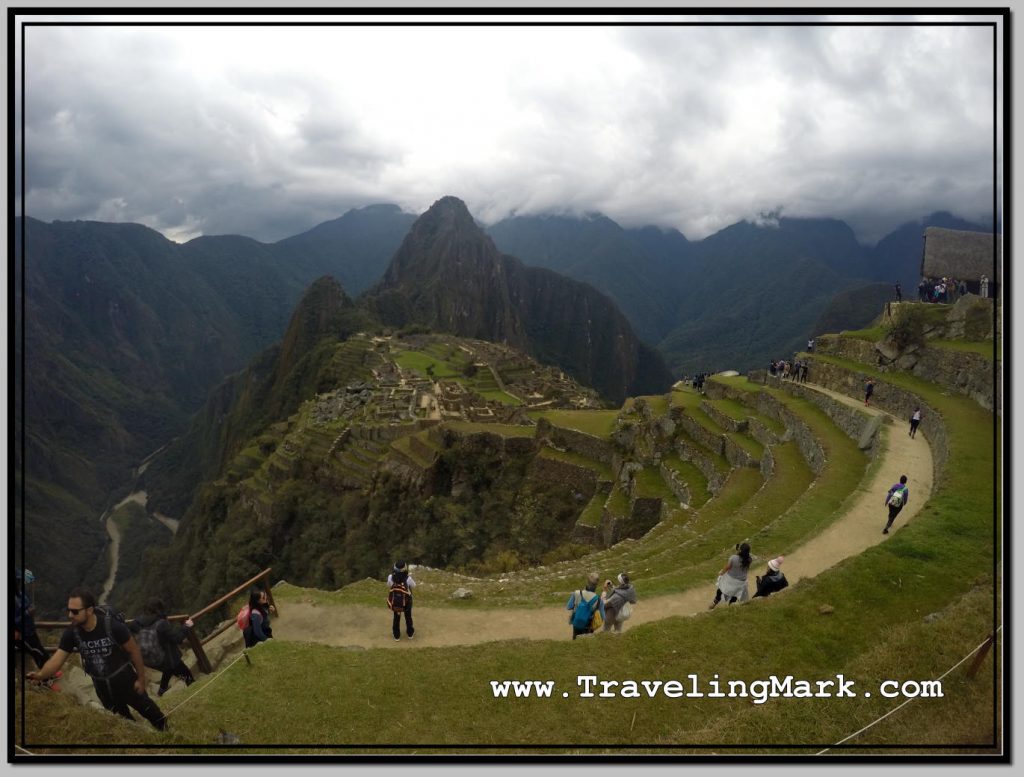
(583, 613)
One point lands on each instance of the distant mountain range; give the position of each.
(126, 332)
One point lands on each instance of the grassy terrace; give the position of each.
(739, 411)
(658, 403)
(603, 470)
(987, 348)
(421, 363)
(403, 445)
(650, 484)
(693, 477)
(497, 395)
(943, 562)
(599, 423)
(504, 430)
(591, 515)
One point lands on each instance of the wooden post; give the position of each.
(197, 647)
(270, 594)
(982, 654)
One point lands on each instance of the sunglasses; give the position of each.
(72, 611)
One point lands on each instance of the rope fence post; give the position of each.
(982, 654)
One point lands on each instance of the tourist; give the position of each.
(810, 345)
(109, 656)
(915, 420)
(984, 286)
(732, 580)
(922, 290)
(26, 637)
(896, 499)
(773, 579)
(260, 609)
(400, 585)
(869, 390)
(582, 605)
(899, 292)
(618, 602)
(169, 637)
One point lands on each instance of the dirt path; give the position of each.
(115, 554)
(856, 531)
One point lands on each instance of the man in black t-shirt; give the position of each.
(110, 656)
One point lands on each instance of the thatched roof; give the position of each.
(962, 255)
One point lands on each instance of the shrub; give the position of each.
(907, 327)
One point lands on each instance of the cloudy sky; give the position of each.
(268, 131)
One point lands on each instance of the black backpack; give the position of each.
(399, 597)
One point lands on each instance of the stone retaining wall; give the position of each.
(963, 372)
(893, 399)
(689, 452)
(723, 419)
(575, 476)
(569, 439)
(796, 428)
(675, 483)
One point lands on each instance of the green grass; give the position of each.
(658, 403)
(420, 362)
(497, 395)
(872, 334)
(603, 469)
(505, 430)
(599, 423)
(591, 515)
(987, 348)
(693, 478)
(942, 562)
(649, 483)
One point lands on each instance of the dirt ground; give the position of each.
(360, 626)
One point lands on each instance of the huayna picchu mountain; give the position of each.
(449, 275)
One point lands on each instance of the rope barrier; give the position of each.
(207, 684)
(904, 704)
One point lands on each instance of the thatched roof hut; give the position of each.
(955, 253)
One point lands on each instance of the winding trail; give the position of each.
(857, 530)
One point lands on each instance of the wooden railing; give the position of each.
(190, 635)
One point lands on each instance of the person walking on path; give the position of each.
(400, 585)
(915, 420)
(896, 500)
(869, 390)
(732, 580)
(26, 638)
(110, 656)
(899, 292)
(773, 579)
(582, 605)
(616, 600)
(168, 638)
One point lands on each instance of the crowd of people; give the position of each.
(944, 289)
(795, 370)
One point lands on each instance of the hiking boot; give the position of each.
(161, 691)
(885, 531)
(713, 605)
(398, 639)
(410, 636)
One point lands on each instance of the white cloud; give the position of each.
(268, 130)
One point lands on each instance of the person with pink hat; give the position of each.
(773, 580)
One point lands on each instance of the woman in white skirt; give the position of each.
(732, 580)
